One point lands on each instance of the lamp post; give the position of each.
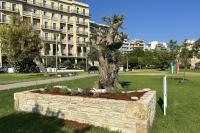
(86, 67)
(56, 54)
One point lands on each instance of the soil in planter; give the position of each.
(120, 96)
(76, 126)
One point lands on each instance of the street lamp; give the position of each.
(56, 54)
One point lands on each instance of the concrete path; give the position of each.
(40, 82)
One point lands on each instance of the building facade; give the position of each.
(126, 47)
(137, 43)
(155, 45)
(61, 23)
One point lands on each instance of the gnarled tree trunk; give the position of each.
(37, 61)
(107, 41)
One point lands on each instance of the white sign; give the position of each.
(165, 93)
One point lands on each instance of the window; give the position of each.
(61, 7)
(34, 1)
(46, 24)
(3, 18)
(78, 39)
(68, 18)
(78, 19)
(54, 26)
(3, 5)
(61, 16)
(14, 7)
(34, 11)
(77, 11)
(44, 2)
(83, 11)
(52, 4)
(54, 36)
(45, 13)
(84, 40)
(52, 15)
(68, 8)
(46, 36)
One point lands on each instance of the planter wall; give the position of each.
(125, 116)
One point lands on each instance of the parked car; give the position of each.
(93, 69)
(3, 69)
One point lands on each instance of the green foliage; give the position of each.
(68, 64)
(196, 49)
(19, 41)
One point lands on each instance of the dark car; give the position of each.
(93, 69)
(3, 70)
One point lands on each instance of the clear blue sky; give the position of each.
(152, 19)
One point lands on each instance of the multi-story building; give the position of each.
(155, 45)
(137, 43)
(61, 22)
(126, 47)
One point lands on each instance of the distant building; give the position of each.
(137, 43)
(155, 45)
(126, 47)
(194, 60)
(129, 46)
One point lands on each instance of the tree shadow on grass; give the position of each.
(21, 122)
(161, 103)
(30, 123)
(125, 83)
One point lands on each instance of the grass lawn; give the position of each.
(6, 78)
(182, 114)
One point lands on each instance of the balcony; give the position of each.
(82, 33)
(70, 42)
(3, 21)
(63, 30)
(9, 9)
(44, 5)
(45, 17)
(82, 23)
(27, 13)
(70, 22)
(81, 43)
(70, 32)
(64, 41)
(50, 28)
(80, 13)
(37, 15)
(36, 27)
(50, 39)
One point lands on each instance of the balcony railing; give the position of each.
(64, 41)
(10, 9)
(70, 32)
(50, 28)
(80, 13)
(70, 22)
(70, 42)
(3, 21)
(44, 5)
(82, 32)
(80, 43)
(37, 27)
(82, 23)
(50, 39)
(63, 30)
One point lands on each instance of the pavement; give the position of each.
(40, 82)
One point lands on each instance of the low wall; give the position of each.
(117, 115)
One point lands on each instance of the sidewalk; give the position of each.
(40, 82)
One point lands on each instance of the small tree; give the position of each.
(107, 41)
(196, 49)
(20, 42)
(185, 55)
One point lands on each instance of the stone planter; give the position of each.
(117, 115)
